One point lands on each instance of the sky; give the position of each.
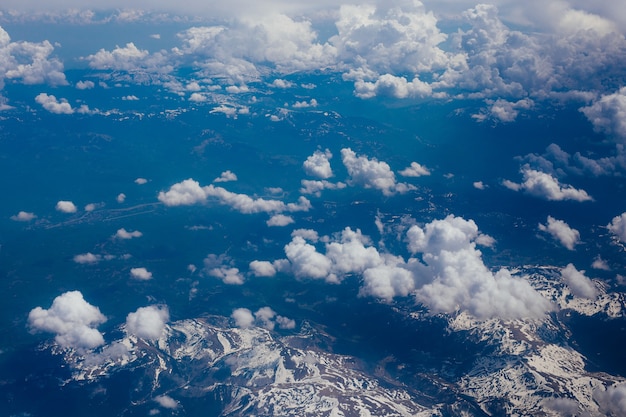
(499, 66)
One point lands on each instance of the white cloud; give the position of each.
(392, 86)
(562, 232)
(479, 185)
(618, 227)
(166, 401)
(128, 58)
(305, 104)
(453, 275)
(72, 319)
(140, 181)
(316, 187)
(65, 206)
(23, 216)
(198, 97)
(280, 83)
(370, 173)
(124, 234)
(148, 322)
(504, 111)
(306, 261)
(243, 317)
(53, 105)
(608, 114)
(130, 98)
(262, 269)
(414, 170)
(387, 282)
(87, 258)
(280, 220)
(185, 193)
(579, 284)
(85, 85)
(141, 273)
(121, 197)
(612, 400)
(264, 317)
(220, 267)
(318, 164)
(542, 185)
(226, 176)
(599, 263)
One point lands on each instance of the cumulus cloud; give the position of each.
(87, 258)
(370, 173)
(578, 283)
(72, 319)
(85, 85)
(128, 58)
(166, 401)
(618, 227)
(262, 268)
(243, 317)
(318, 164)
(121, 197)
(280, 220)
(612, 400)
(226, 176)
(264, 317)
(543, 185)
(140, 181)
(392, 86)
(599, 263)
(66, 206)
(562, 232)
(479, 185)
(316, 187)
(414, 170)
(504, 111)
(23, 216)
(187, 192)
(608, 114)
(53, 105)
(148, 322)
(453, 275)
(220, 267)
(124, 234)
(305, 104)
(141, 273)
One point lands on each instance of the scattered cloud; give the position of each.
(305, 104)
(124, 234)
(543, 185)
(318, 164)
(370, 173)
(612, 400)
(618, 227)
(243, 317)
(316, 187)
(608, 114)
(121, 197)
(280, 220)
(66, 207)
(140, 181)
(87, 258)
(23, 216)
(578, 283)
(562, 232)
(221, 267)
(141, 273)
(166, 401)
(226, 176)
(414, 170)
(53, 105)
(599, 263)
(502, 110)
(72, 319)
(264, 317)
(479, 185)
(85, 85)
(148, 322)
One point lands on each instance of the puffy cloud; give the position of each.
(280, 220)
(124, 234)
(599, 263)
(72, 319)
(618, 227)
(184, 193)
(66, 206)
(121, 197)
(130, 98)
(479, 185)
(305, 104)
(243, 317)
(53, 105)
(141, 273)
(579, 284)
(128, 58)
(562, 232)
(318, 164)
(166, 401)
(504, 111)
(226, 176)
(85, 85)
(387, 282)
(608, 114)
(453, 275)
(306, 261)
(23, 216)
(148, 322)
(220, 267)
(370, 173)
(543, 185)
(87, 258)
(612, 400)
(262, 268)
(392, 86)
(316, 187)
(414, 170)
(140, 181)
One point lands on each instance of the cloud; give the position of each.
(608, 114)
(316, 187)
(124, 234)
(370, 173)
(503, 111)
(23, 216)
(318, 164)
(141, 273)
(414, 170)
(280, 220)
(121, 197)
(599, 263)
(542, 185)
(87, 258)
(220, 267)
(130, 98)
(148, 322)
(140, 181)
(479, 185)
(612, 400)
(453, 275)
(579, 284)
(65, 207)
(72, 319)
(243, 317)
(128, 58)
(264, 317)
(392, 86)
(305, 104)
(618, 227)
(262, 269)
(85, 85)
(226, 176)
(387, 282)
(306, 261)
(53, 105)
(562, 232)
(166, 401)
(185, 193)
